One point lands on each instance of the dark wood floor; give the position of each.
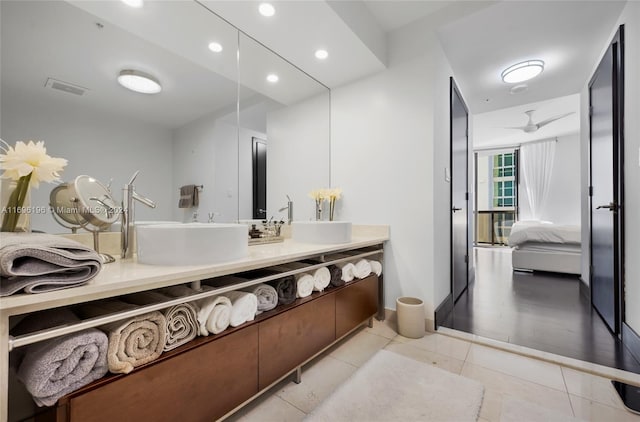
(543, 311)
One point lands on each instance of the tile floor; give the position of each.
(550, 391)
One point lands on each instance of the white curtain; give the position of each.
(536, 162)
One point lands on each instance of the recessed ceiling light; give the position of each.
(522, 71)
(139, 81)
(517, 89)
(134, 3)
(267, 9)
(322, 54)
(215, 47)
(273, 78)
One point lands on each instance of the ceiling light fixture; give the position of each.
(522, 71)
(273, 78)
(215, 47)
(267, 9)
(322, 54)
(139, 81)
(134, 3)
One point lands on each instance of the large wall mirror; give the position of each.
(60, 61)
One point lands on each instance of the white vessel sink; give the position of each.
(324, 232)
(191, 243)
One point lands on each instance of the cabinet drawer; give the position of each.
(288, 339)
(201, 384)
(355, 303)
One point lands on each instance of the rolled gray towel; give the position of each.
(53, 368)
(38, 263)
(132, 342)
(267, 296)
(286, 288)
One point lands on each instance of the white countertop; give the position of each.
(127, 276)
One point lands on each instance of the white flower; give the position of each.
(31, 158)
(335, 193)
(318, 194)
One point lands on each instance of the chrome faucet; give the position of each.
(289, 209)
(128, 215)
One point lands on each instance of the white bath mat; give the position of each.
(515, 410)
(391, 387)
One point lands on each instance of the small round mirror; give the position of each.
(94, 201)
(63, 205)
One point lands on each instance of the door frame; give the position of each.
(617, 44)
(454, 90)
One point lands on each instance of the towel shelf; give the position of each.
(31, 338)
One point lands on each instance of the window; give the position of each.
(504, 186)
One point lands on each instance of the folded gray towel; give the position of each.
(132, 342)
(189, 197)
(53, 368)
(38, 262)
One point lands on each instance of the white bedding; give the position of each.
(543, 232)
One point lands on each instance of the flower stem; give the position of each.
(16, 201)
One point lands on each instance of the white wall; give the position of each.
(630, 17)
(563, 201)
(298, 156)
(97, 144)
(205, 152)
(383, 154)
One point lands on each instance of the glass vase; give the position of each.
(15, 216)
(332, 208)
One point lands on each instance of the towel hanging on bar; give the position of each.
(189, 197)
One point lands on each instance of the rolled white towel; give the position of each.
(348, 271)
(321, 279)
(244, 307)
(304, 284)
(376, 267)
(267, 296)
(214, 315)
(363, 269)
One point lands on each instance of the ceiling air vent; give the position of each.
(65, 86)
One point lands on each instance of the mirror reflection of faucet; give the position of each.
(289, 208)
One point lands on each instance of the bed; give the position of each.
(544, 246)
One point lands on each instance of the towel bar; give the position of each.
(26, 339)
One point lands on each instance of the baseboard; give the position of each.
(631, 340)
(391, 317)
(584, 289)
(443, 310)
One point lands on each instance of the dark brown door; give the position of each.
(606, 149)
(259, 179)
(459, 118)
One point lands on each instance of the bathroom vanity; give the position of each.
(212, 376)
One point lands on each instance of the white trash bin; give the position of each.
(410, 313)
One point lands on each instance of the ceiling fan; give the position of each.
(531, 127)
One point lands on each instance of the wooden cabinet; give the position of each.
(210, 376)
(290, 338)
(355, 303)
(201, 384)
